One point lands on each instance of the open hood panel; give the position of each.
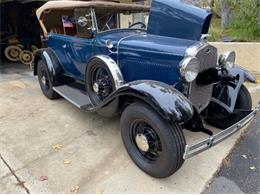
(173, 18)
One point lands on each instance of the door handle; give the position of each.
(64, 46)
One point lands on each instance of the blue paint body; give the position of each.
(152, 55)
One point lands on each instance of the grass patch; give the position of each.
(235, 33)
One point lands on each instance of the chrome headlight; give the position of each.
(227, 59)
(189, 68)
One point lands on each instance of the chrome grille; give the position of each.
(207, 55)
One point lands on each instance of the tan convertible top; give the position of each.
(57, 5)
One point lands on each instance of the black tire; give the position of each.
(45, 81)
(244, 102)
(92, 67)
(170, 140)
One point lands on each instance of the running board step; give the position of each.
(75, 96)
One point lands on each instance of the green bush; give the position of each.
(245, 24)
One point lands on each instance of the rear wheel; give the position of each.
(155, 146)
(45, 81)
(244, 102)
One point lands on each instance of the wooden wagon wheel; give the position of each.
(26, 57)
(12, 53)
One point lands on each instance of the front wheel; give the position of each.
(155, 146)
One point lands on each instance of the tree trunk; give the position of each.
(225, 13)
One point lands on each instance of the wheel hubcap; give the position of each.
(142, 142)
(14, 53)
(43, 80)
(146, 139)
(101, 83)
(95, 87)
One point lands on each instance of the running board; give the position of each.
(75, 96)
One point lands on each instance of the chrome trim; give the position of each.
(192, 150)
(227, 59)
(48, 61)
(114, 69)
(194, 49)
(185, 64)
(94, 19)
(204, 37)
(142, 142)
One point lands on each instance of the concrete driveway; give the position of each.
(77, 151)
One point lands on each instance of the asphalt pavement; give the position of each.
(240, 169)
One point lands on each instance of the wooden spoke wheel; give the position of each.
(12, 53)
(26, 57)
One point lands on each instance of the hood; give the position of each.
(152, 57)
(173, 18)
(172, 47)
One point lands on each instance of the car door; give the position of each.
(80, 46)
(57, 42)
(62, 29)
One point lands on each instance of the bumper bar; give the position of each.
(192, 150)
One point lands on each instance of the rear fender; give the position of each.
(166, 100)
(56, 71)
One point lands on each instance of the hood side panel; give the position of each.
(173, 18)
(152, 57)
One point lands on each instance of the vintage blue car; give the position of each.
(153, 66)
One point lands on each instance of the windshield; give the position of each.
(110, 20)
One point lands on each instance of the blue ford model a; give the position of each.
(153, 66)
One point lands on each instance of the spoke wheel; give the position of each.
(12, 53)
(155, 145)
(146, 140)
(45, 81)
(99, 81)
(26, 57)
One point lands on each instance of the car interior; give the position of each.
(78, 22)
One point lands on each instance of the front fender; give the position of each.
(225, 93)
(248, 76)
(166, 100)
(54, 67)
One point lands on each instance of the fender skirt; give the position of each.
(55, 69)
(166, 100)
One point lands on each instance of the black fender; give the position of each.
(225, 93)
(55, 69)
(164, 99)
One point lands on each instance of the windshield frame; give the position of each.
(98, 31)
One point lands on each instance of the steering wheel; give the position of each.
(138, 23)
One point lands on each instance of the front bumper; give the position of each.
(192, 150)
